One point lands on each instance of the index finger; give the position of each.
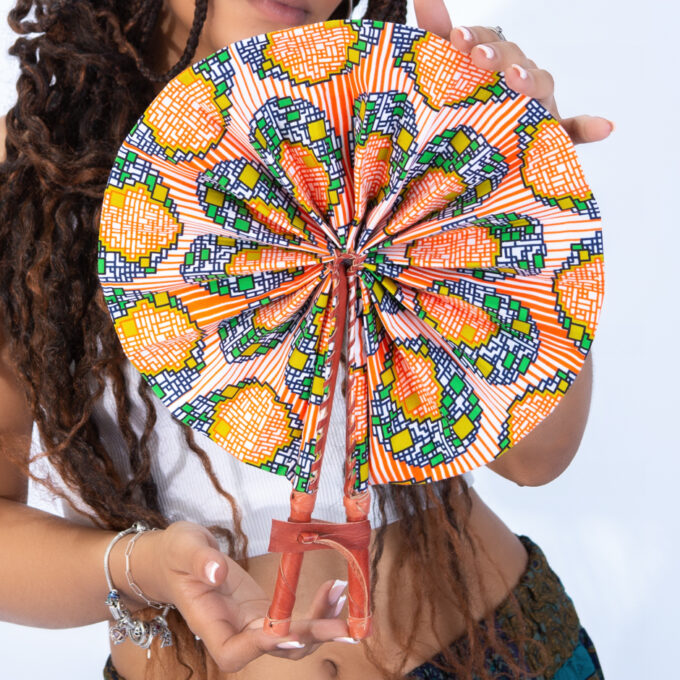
(433, 16)
(237, 650)
(464, 38)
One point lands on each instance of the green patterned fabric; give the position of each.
(359, 175)
(552, 619)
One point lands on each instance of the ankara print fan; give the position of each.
(362, 177)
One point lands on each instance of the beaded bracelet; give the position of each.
(140, 632)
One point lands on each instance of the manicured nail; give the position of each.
(489, 52)
(256, 624)
(348, 640)
(336, 590)
(464, 32)
(340, 605)
(210, 571)
(291, 644)
(520, 71)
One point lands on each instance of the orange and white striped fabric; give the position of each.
(469, 236)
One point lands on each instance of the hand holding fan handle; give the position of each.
(277, 620)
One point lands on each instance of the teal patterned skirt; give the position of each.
(550, 615)
(552, 620)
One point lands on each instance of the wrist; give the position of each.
(125, 596)
(145, 569)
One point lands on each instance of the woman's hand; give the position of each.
(221, 603)
(521, 74)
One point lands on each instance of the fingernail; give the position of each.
(464, 32)
(256, 624)
(340, 605)
(611, 122)
(520, 71)
(489, 52)
(210, 571)
(348, 640)
(291, 644)
(336, 590)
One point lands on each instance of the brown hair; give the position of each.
(82, 86)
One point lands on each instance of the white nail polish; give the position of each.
(210, 571)
(520, 71)
(291, 644)
(464, 32)
(340, 605)
(348, 640)
(489, 52)
(336, 590)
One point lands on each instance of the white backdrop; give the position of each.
(607, 524)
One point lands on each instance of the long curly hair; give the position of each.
(83, 83)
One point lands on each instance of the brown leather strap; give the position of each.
(350, 539)
(338, 318)
(302, 536)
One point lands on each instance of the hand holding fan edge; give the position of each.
(364, 173)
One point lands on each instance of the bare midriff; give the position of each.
(501, 561)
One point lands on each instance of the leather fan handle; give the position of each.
(278, 617)
(358, 581)
(359, 618)
(277, 621)
(350, 539)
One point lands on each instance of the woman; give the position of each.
(88, 72)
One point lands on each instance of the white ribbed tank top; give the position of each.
(186, 493)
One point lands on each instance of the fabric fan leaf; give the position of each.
(369, 167)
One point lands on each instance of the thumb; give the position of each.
(194, 551)
(433, 16)
(211, 567)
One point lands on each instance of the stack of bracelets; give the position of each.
(142, 633)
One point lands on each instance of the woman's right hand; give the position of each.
(220, 601)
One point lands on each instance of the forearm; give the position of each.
(52, 570)
(547, 451)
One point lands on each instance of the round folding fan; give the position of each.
(362, 177)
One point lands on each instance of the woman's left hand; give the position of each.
(487, 51)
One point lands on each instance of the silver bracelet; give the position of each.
(142, 633)
(128, 573)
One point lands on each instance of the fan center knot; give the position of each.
(350, 261)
